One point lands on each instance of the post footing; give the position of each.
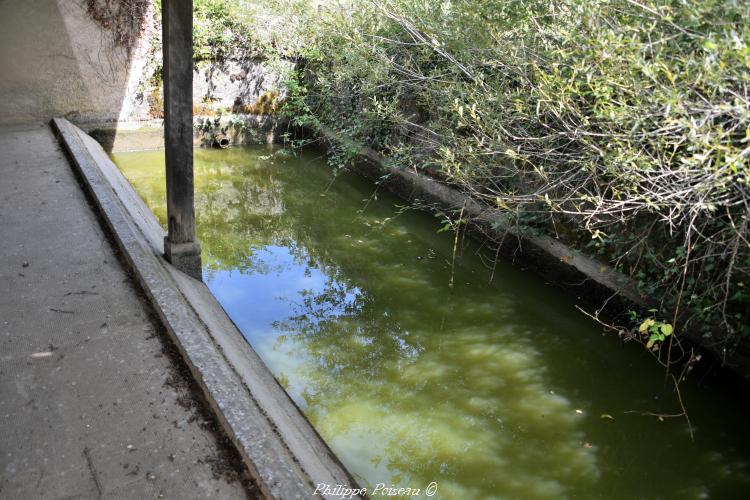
(184, 256)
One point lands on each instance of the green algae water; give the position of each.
(489, 390)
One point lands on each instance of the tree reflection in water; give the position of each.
(410, 380)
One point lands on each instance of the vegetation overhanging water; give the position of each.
(492, 390)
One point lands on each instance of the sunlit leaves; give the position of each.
(614, 113)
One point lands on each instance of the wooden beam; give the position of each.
(181, 247)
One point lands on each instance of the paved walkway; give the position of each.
(93, 402)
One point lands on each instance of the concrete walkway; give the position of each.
(93, 402)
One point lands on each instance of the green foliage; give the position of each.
(656, 331)
(620, 126)
(217, 32)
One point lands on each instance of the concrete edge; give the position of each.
(121, 136)
(274, 401)
(597, 283)
(283, 452)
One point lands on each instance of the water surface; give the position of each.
(492, 390)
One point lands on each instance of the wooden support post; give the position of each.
(181, 247)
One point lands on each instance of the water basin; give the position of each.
(496, 389)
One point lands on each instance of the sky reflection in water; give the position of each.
(412, 381)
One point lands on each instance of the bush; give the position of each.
(623, 125)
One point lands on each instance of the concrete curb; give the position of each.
(282, 451)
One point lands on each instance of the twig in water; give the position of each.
(455, 245)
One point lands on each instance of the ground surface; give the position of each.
(93, 404)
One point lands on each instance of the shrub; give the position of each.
(623, 125)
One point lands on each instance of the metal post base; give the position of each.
(184, 256)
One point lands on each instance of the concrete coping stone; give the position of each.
(283, 452)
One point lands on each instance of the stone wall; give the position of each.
(149, 134)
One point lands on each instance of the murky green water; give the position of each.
(490, 390)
